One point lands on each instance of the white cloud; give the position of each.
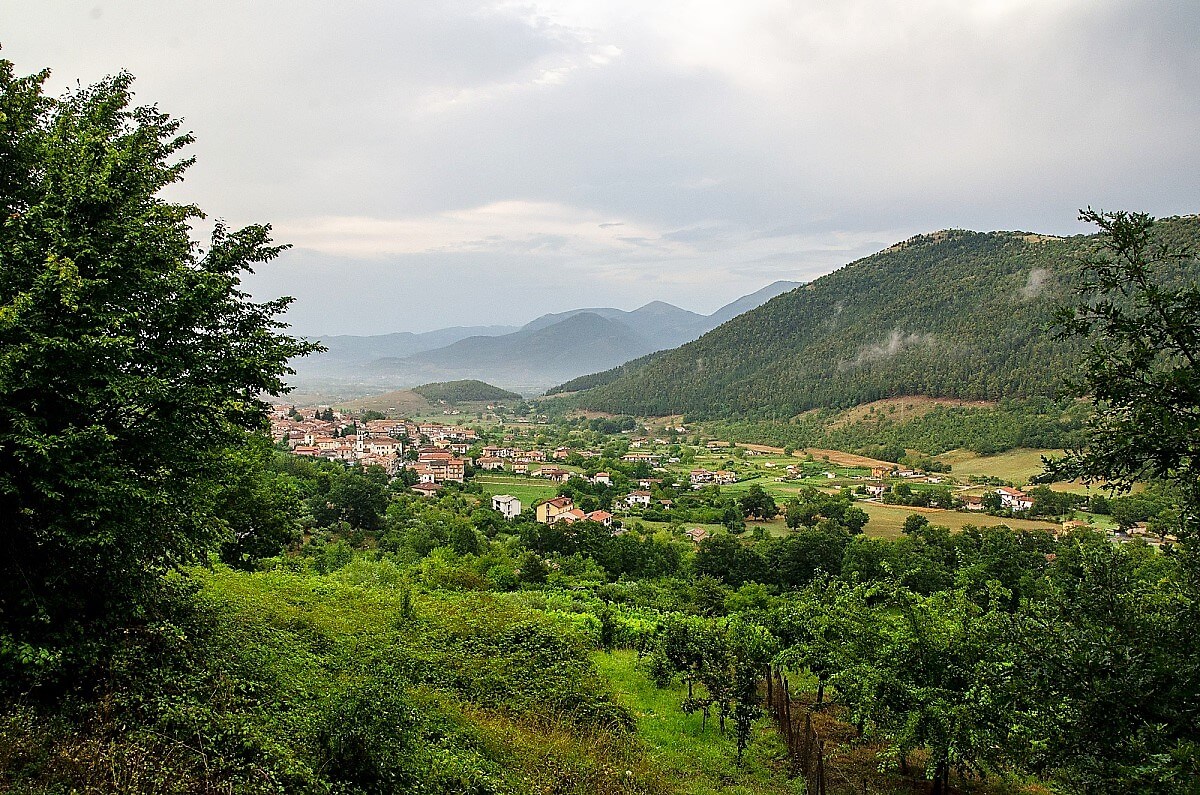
(1035, 283)
(511, 226)
(896, 342)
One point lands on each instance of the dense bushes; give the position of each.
(298, 682)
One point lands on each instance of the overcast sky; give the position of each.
(439, 163)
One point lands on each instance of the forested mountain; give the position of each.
(548, 349)
(950, 314)
(466, 391)
(748, 302)
(593, 380)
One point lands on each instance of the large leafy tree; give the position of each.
(1132, 648)
(1139, 304)
(130, 361)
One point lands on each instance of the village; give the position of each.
(655, 480)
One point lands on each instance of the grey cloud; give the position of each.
(826, 131)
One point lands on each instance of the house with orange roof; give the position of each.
(554, 509)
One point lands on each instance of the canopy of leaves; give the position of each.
(130, 361)
(1139, 302)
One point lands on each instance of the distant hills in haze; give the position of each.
(953, 314)
(548, 350)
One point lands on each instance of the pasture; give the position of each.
(1015, 466)
(887, 520)
(527, 490)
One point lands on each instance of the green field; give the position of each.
(695, 761)
(527, 490)
(785, 490)
(1017, 466)
(887, 520)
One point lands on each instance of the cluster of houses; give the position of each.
(326, 434)
(562, 509)
(518, 461)
(702, 477)
(1010, 499)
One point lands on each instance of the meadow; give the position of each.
(1016, 466)
(527, 490)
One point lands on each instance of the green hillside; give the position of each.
(593, 380)
(954, 314)
(468, 391)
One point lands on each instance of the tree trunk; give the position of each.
(941, 775)
(820, 692)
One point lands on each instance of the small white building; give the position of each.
(509, 506)
(1014, 499)
(638, 498)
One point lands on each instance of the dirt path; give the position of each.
(836, 457)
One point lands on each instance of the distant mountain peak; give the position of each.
(659, 306)
(549, 349)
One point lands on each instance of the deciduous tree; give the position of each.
(130, 358)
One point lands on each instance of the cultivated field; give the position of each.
(901, 409)
(527, 490)
(401, 403)
(1017, 466)
(887, 520)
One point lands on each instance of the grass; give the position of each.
(785, 490)
(527, 490)
(399, 403)
(711, 527)
(1017, 466)
(887, 520)
(698, 760)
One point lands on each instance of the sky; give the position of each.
(442, 162)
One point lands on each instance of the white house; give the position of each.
(507, 505)
(1014, 499)
(638, 498)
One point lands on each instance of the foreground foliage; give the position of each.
(298, 682)
(130, 361)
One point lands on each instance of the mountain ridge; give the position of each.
(954, 313)
(550, 349)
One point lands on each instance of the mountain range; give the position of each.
(548, 350)
(953, 314)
